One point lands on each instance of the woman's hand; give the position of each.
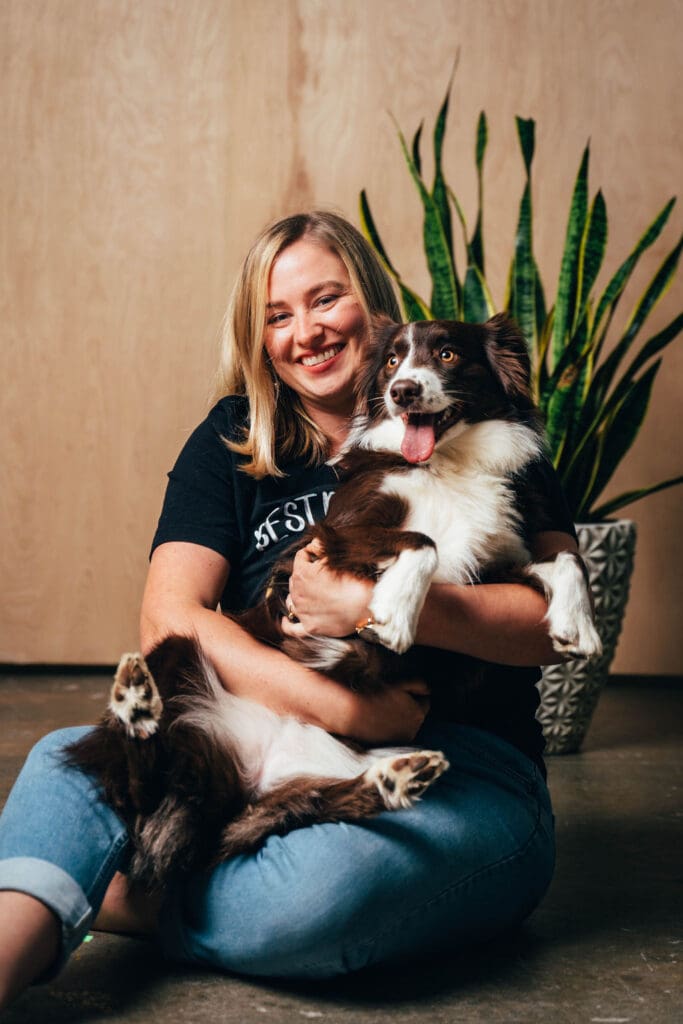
(325, 602)
(183, 586)
(328, 603)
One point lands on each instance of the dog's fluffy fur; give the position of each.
(445, 426)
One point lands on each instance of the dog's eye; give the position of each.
(447, 355)
(392, 361)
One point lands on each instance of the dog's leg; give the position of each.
(123, 752)
(399, 595)
(570, 610)
(135, 705)
(388, 784)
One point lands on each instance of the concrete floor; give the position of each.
(605, 947)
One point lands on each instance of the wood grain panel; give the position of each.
(148, 143)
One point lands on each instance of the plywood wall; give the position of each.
(144, 144)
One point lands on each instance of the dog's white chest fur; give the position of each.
(462, 498)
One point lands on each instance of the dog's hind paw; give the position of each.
(402, 780)
(134, 699)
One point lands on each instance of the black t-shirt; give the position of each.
(210, 501)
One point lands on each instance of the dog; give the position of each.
(445, 425)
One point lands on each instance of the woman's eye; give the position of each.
(327, 300)
(447, 355)
(276, 319)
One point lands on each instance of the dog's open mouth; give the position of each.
(422, 431)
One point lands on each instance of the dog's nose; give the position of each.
(405, 392)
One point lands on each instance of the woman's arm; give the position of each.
(183, 588)
(498, 622)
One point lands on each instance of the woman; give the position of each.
(476, 855)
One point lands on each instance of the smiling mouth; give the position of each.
(322, 357)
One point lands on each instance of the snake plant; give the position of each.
(592, 402)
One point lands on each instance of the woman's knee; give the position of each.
(261, 916)
(324, 901)
(47, 755)
(317, 903)
(53, 744)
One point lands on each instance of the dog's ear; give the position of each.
(381, 329)
(379, 323)
(508, 356)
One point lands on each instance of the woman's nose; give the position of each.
(307, 327)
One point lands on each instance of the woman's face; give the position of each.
(315, 327)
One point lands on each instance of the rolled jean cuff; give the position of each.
(59, 892)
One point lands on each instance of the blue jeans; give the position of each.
(472, 859)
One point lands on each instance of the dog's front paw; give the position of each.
(399, 595)
(402, 780)
(571, 625)
(575, 638)
(397, 633)
(134, 699)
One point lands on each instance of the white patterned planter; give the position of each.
(570, 692)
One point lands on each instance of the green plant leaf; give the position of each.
(592, 416)
(482, 141)
(476, 245)
(477, 302)
(526, 132)
(591, 254)
(540, 375)
(523, 291)
(524, 280)
(414, 307)
(567, 285)
(612, 293)
(561, 392)
(417, 159)
(372, 234)
(628, 498)
(439, 189)
(651, 296)
(445, 299)
(619, 433)
(596, 405)
(658, 342)
(572, 360)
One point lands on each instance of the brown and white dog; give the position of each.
(445, 426)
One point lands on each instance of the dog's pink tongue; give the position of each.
(418, 440)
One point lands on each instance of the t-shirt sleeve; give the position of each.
(199, 506)
(542, 501)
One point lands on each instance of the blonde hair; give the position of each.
(279, 428)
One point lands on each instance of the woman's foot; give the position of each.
(127, 909)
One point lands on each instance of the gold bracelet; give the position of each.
(364, 629)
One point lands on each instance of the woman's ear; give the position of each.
(508, 356)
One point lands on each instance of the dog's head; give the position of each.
(436, 375)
